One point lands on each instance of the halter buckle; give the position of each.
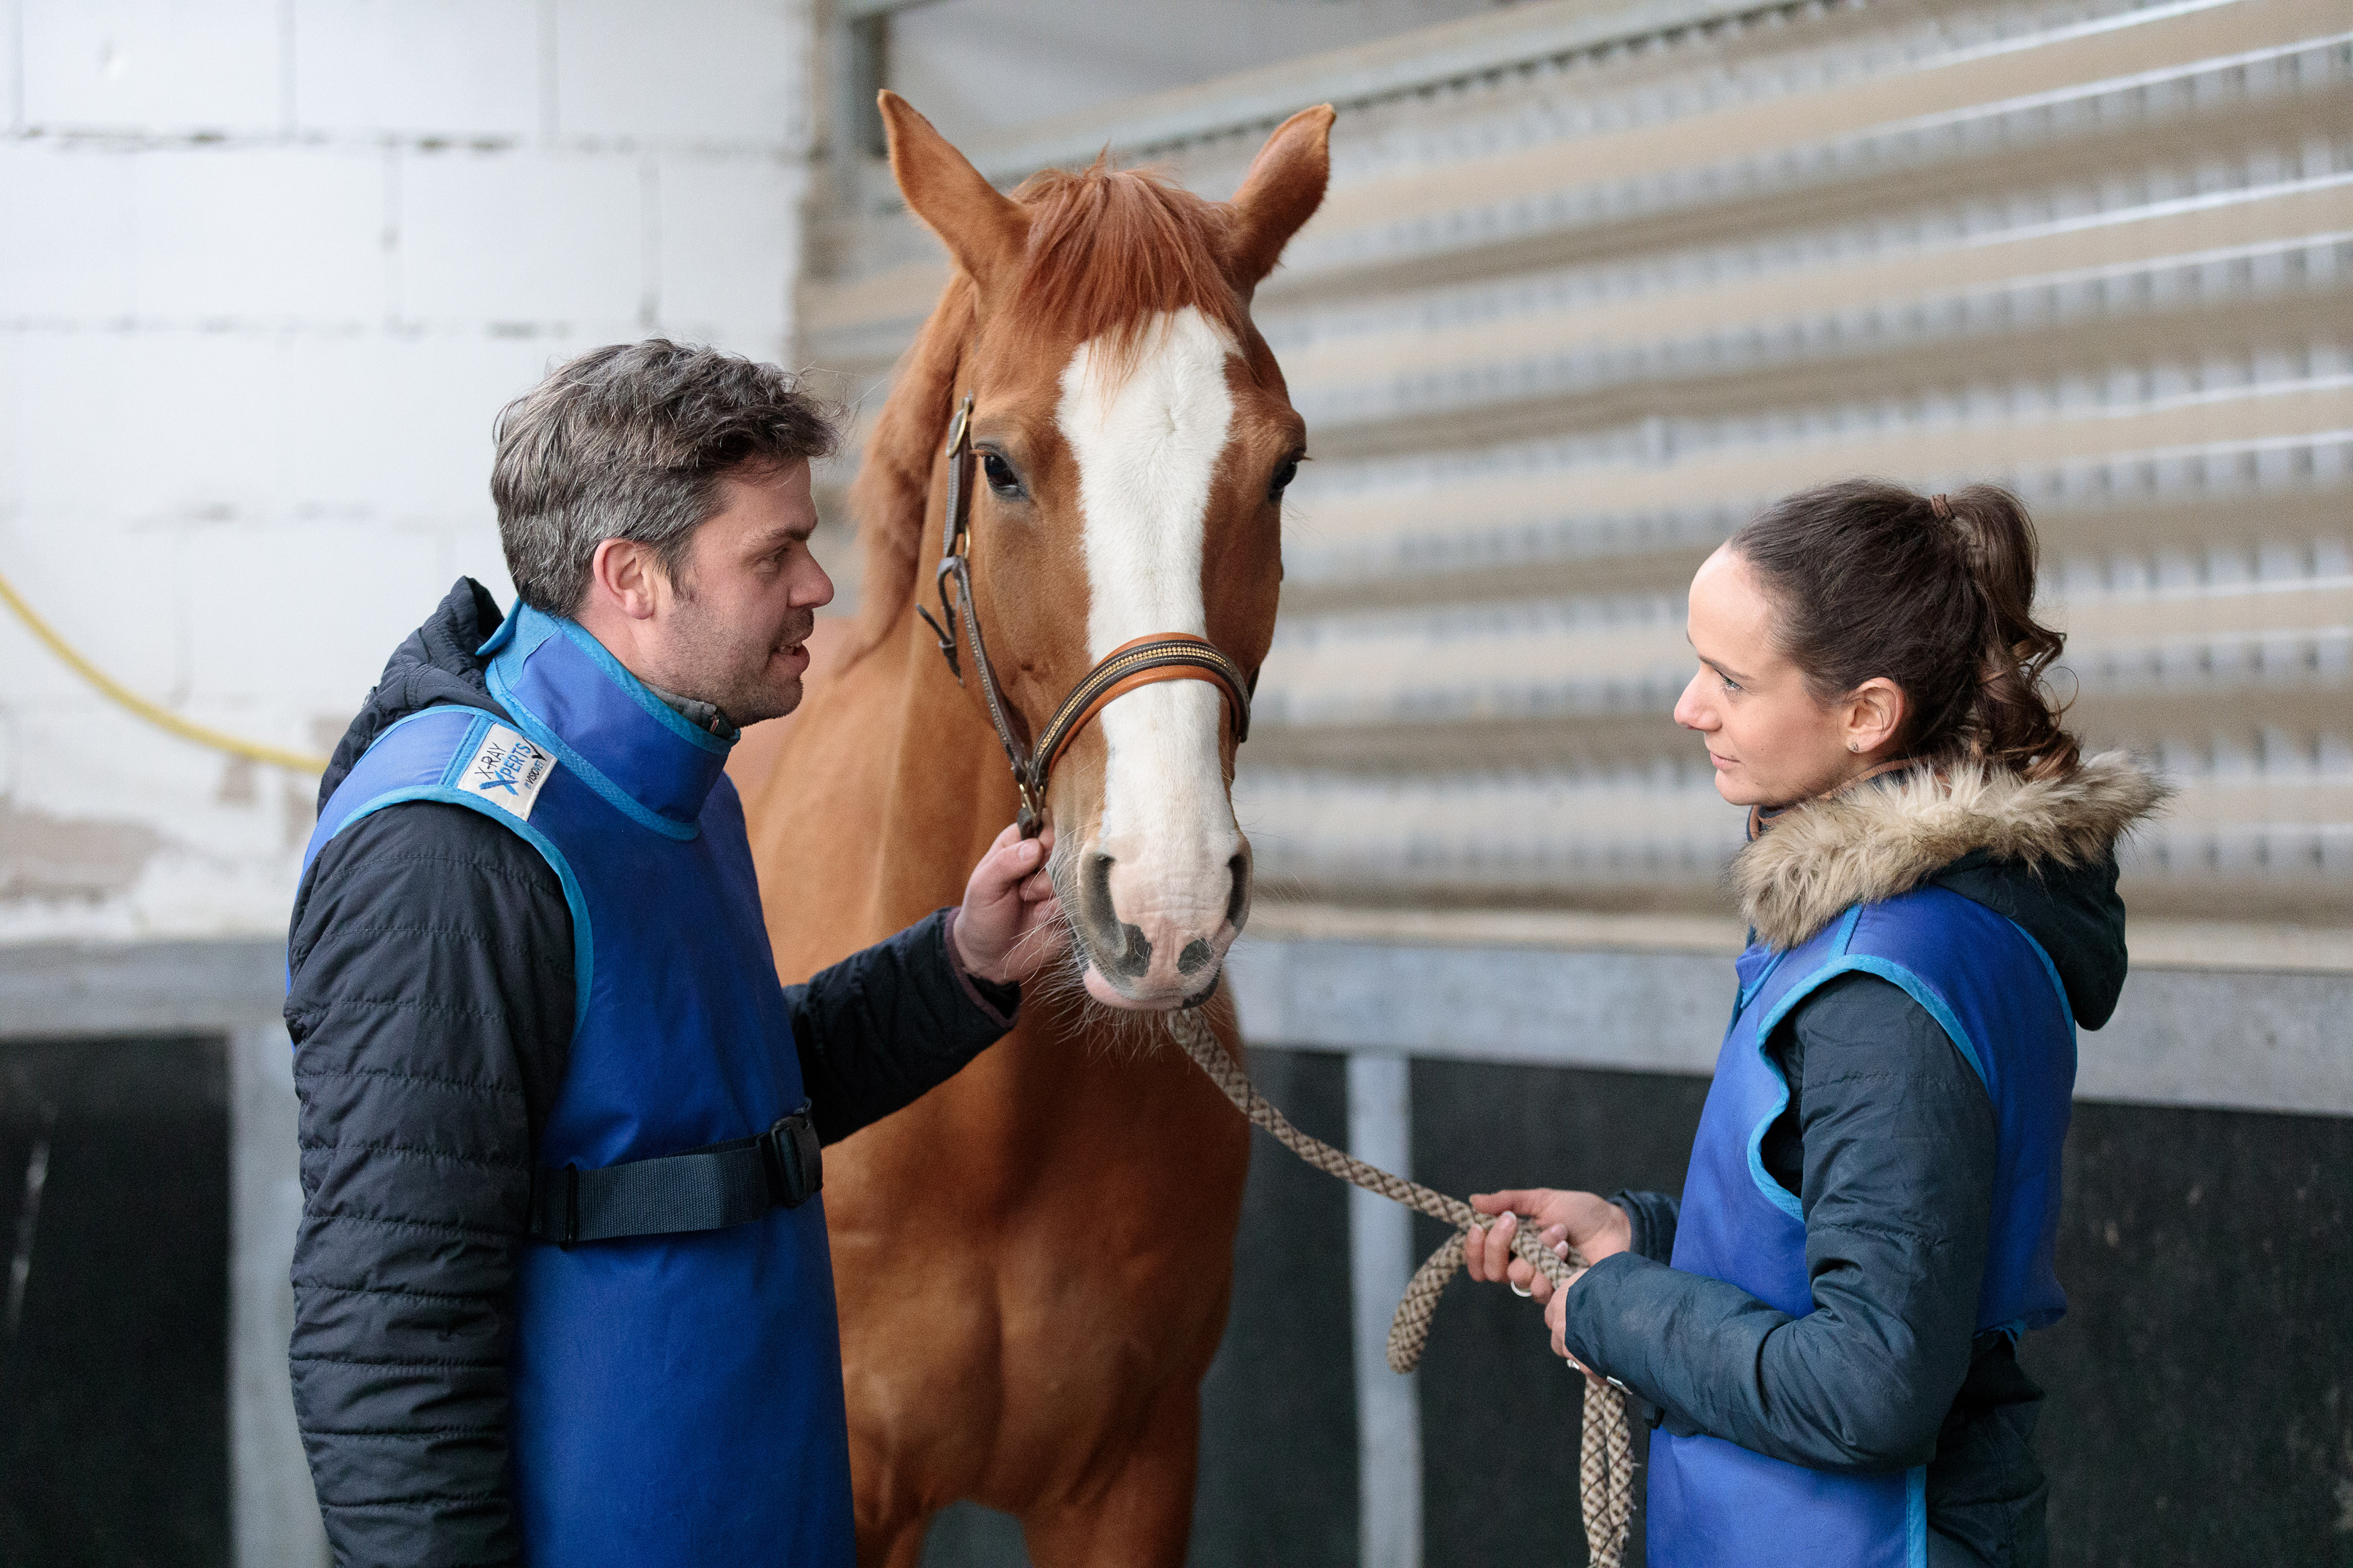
(945, 625)
(960, 427)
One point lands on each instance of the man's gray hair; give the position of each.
(631, 442)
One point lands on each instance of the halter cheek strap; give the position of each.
(1131, 666)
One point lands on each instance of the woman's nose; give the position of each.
(1691, 711)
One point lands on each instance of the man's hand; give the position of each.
(1010, 927)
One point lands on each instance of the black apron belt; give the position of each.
(704, 1189)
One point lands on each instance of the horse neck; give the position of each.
(946, 792)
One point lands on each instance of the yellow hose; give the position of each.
(163, 719)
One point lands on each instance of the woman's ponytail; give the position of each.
(2013, 724)
(1934, 593)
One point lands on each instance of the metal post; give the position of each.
(858, 45)
(1380, 1262)
(274, 1518)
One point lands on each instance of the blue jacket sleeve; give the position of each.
(1898, 1144)
(879, 1029)
(1652, 1217)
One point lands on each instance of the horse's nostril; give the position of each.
(1195, 957)
(1135, 954)
(1238, 898)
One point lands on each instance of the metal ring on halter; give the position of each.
(1146, 662)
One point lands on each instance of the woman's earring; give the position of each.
(1854, 745)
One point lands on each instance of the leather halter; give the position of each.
(1146, 661)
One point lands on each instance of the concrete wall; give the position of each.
(268, 268)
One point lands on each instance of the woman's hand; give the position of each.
(1591, 1223)
(1556, 1320)
(1594, 1225)
(1009, 928)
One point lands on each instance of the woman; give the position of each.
(1824, 1324)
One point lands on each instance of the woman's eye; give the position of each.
(1001, 475)
(1283, 475)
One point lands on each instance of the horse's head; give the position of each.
(1132, 439)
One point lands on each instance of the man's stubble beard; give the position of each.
(714, 666)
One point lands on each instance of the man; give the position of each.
(562, 1288)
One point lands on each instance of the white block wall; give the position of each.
(267, 270)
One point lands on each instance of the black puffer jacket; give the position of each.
(1889, 1143)
(431, 1007)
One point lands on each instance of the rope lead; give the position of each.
(1606, 1453)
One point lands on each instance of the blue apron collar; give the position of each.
(567, 692)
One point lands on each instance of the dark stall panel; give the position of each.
(113, 1386)
(2201, 1384)
(1278, 1486)
(1500, 1413)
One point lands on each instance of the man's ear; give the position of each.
(623, 573)
(1281, 191)
(983, 229)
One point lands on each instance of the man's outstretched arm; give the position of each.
(883, 1027)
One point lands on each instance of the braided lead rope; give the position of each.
(1605, 1452)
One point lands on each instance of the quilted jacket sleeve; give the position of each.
(430, 1004)
(1899, 1148)
(883, 1027)
(1651, 1216)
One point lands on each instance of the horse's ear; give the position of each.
(983, 229)
(1281, 191)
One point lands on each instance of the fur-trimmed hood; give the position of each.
(2012, 843)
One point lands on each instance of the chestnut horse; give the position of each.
(1033, 1260)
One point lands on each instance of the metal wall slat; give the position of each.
(1558, 330)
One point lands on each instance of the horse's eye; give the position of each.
(1284, 473)
(1001, 475)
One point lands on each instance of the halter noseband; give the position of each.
(1146, 661)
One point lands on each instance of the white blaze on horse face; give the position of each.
(1148, 444)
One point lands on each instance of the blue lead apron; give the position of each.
(677, 1399)
(1713, 1504)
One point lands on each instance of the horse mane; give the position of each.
(1109, 251)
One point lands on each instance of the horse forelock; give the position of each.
(1112, 250)
(1111, 253)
